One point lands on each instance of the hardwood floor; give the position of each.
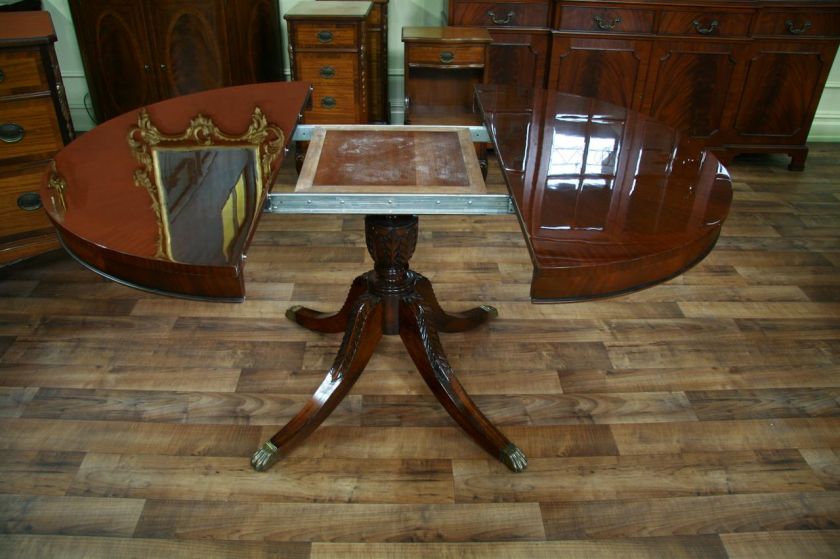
(699, 418)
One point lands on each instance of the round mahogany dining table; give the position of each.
(167, 198)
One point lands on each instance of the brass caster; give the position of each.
(265, 457)
(492, 312)
(513, 457)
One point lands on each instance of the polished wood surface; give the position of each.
(34, 124)
(609, 199)
(391, 159)
(696, 419)
(137, 53)
(114, 224)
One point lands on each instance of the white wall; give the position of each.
(402, 13)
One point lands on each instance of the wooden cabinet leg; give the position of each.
(364, 330)
(449, 321)
(329, 323)
(421, 339)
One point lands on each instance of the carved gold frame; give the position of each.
(144, 138)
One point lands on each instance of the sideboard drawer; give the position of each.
(21, 71)
(703, 23)
(28, 127)
(598, 19)
(793, 23)
(441, 56)
(501, 14)
(20, 209)
(325, 35)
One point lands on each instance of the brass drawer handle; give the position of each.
(325, 36)
(447, 57)
(328, 102)
(501, 21)
(11, 133)
(706, 30)
(327, 72)
(29, 201)
(603, 25)
(796, 30)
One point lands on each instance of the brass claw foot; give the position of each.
(292, 311)
(513, 457)
(265, 457)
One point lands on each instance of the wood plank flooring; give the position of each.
(696, 419)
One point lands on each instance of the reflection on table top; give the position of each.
(166, 198)
(609, 199)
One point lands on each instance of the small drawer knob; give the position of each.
(325, 36)
(327, 72)
(447, 56)
(328, 102)
(11, 133)
(29, 201)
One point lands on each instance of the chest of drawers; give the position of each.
(328, 48)
(34, 124)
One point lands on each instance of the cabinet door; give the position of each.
(114, 45)
(784, 81)
(191, 45)
(517, 57)
(254, 34)
(609, 69)
(689, 83)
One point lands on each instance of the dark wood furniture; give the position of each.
(442, 67)
(391, 299)
(377, 48)
(609, 200)
(328, 48)
(137, 53)
(742, 75)
(34, 124)
(121, 210)
(521, 38)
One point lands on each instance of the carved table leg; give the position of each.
(421, 339)
(329, 323)
(391, 300)
(449, 321)
(364, 330)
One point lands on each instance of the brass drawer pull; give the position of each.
(328, 102)
(501, 21)
(603, 25)
(325, 36)
(11, 133)
(29, 201)
(447, 56)
(796, 30)
(327, 72)
(705, 30)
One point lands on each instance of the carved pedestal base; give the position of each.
(391, 299)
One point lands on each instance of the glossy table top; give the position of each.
(167, 198)
(609, 199)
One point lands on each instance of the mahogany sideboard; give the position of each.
(34, 124)
(140, 52)
(742, 75)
